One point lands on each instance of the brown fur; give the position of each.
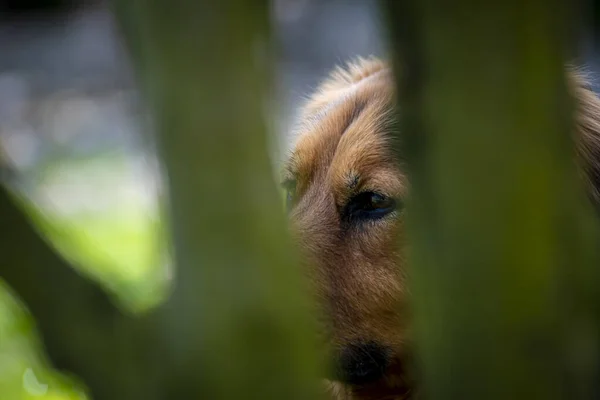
(343, 148)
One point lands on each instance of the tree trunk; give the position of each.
(237, 324)
(496, 214)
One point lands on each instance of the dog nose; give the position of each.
(361, 363)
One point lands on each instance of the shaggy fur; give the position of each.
(342, 149)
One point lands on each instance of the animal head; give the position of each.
(345, 192)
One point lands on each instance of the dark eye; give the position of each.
(369, 205)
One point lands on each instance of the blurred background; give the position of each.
(74, 126)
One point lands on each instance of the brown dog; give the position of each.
(345, 194)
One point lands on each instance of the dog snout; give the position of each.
(361, 363)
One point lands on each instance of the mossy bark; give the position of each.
(237, 324)
(497, 216)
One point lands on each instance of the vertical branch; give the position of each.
(495, 213)
(237, 324)
(83, 333)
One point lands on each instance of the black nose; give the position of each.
(361, 363)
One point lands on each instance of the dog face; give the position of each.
(345, 191)
(345, 198)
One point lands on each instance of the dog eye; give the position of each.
(370, 205)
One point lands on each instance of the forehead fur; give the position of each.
(342, 80)
(344, 126)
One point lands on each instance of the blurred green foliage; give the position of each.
(118, 245)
